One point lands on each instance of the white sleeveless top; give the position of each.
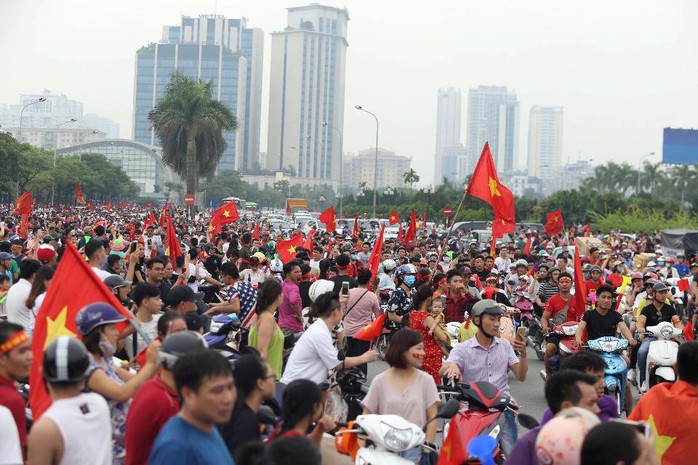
(85, 426)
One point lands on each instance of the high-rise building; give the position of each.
(454, 164)
(211, 48)
(448, 124)
(308, 65)
(493, 116)
(545, 144)
(391, 168)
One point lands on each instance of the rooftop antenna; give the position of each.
(215, 7)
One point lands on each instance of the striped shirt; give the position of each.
(547, 290)
(477, 363)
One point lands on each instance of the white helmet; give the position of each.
(319, 287)
(521, 262)
(276, 266)
(389, 265)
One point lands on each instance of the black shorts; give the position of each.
(553, 339)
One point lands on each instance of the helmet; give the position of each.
(406, 269)
(627, 252)
(260, 256)
(543, 253)
(65, 360)
(559, 441)
(319, 287)
(276, 266)
(487, 306)
(389, 264)
(178, 344)
(636, 276)
(97, 314)
(660, 287)
(584, 259)
(649, 275)
(521, 262)
(271, 245)
(651, 263)
(595, 268)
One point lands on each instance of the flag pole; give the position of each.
(453, 222)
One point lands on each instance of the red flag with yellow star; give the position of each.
(328, 217)
(453, 451)
(225, 214)
(394, 218)
(74, 285)
(485, 185)
(23, 205)
(554, 223)
(355, 232)
(287, 249)
(371, 331)
(375, 259)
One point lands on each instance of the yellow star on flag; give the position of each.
(55, 328)
(663, 443)
(292, 249)
(226, 213)
(494, 188)
(555, 219)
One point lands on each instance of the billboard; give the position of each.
(680, 146)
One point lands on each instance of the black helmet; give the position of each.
(65, 360)
(178, 344)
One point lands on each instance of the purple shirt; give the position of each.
(479, 364)
(607, 405)
(292, 295)
(524, 451)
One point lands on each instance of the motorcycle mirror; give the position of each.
(449, 409)
(265, 415)
(527, 421)
(673, 291)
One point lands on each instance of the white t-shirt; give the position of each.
(150, 328)
(10, 449)
(502, 264)
(313, 356)
(101, 274)
(85, 425)
(192, 272)
(16, 307)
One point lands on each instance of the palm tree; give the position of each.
(410, 177)
(190, 125)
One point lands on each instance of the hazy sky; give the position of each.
(622, 69)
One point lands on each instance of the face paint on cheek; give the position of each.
(416, 356)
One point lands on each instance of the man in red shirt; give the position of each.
(456, 299)
(157, 401)
(15, 362)
(559, 308)
(595, 281)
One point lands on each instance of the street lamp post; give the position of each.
(55, 148)
(21, 114)
(375, 163)
(639, 167)
(341, 164)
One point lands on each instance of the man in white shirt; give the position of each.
(314, 355)
(15, 304)
(76, 428)
(503, 262)
(148, 302)
(96, 255)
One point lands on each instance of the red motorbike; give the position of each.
(567, 331)
(483, 415)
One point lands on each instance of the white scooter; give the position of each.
(386, 437)
(662, 354)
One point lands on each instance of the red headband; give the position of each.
(15, 340)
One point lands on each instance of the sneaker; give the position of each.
(643, 386)
(543, 374)
(631, 375)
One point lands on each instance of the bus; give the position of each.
(239, 203)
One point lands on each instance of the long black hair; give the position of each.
(300, 399)
(268, 292)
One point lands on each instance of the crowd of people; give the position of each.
(155, 393)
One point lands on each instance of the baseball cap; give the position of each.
(115, 281)
(5, 256)
(660, 287)
(180, 294)
(46, 252)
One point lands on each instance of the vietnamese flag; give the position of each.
(164, 215)
(79, 199)
(174, 251)
(579, 302)
(309, 240)
(150, 221)
(287, 249)
(484, 184)
(328, 218)
(501, 226)
(375, 258)
(74, 286)
(109, 206)
(399, 233)
(527, 247)
(373, 330)
(453, 450)
(225, 214)
(24, 224)
(554, 223)
(23, 206)
(394, 218)
(355, 232)
(411, 233)
(255, 231)
(587, 230)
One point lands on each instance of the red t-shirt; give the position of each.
(10, 398)
(555, 305)
(151, 407)
(592, 286)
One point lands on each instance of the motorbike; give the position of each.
(453, 328)
(567, 346)
(535, 337)
(661, 356)
(354, 387)
(616, 370)
(223, 333)
(524, 304)
(386, 437)
(483, 415)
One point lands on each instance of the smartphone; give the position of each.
(443, 300)
(643, 428)
(345, 288)
(521, 333)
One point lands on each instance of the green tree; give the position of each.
(190, 125)
(410, 177)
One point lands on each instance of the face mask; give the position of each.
(107, 348)
(409, 280)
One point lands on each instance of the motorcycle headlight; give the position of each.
(398, 440)
(666, 332)
(569, 330)
(215, 326)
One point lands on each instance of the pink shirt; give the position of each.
(292, 295)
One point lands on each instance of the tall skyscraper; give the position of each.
(211, 48)
(448, 123)
(493, 116)
(545, 143)
(308, 65)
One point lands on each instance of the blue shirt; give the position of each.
(199, 447)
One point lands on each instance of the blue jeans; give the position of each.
(642, 353)
(509, 433)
